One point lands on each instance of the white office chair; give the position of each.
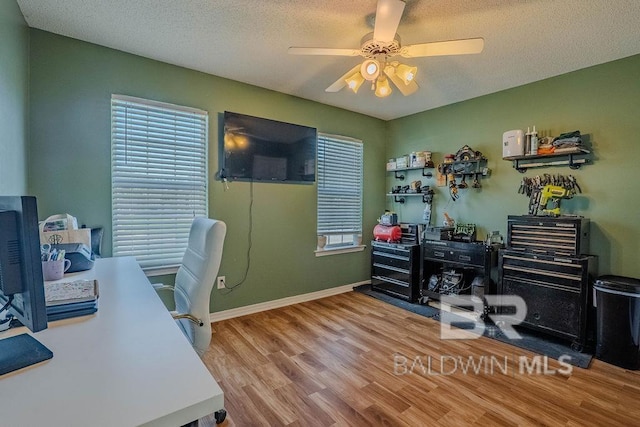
(195, 279)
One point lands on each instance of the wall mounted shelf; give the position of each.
(400, 197)
(425, 172)
(572, 158)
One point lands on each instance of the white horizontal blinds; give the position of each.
(158, 179)
(339, 185)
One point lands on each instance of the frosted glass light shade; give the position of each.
(383, 89)
(406, 73)
(355, 81)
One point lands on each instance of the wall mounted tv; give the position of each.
(263, 150)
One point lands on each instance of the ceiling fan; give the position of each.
(381, 49)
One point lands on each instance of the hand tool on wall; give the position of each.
(476, 181)
(453, 187)
(548, 188)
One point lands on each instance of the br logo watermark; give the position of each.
(460, 319)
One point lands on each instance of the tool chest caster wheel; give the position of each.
(220, 416)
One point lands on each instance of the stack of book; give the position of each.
(70, 299)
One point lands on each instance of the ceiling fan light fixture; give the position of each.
(382, 46)
(406, 73)
(383, 89)
(354, 81)
(370, 69)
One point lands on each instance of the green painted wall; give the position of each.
(71, 85)
(602, 102)
(14, 77)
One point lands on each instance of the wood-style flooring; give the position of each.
(350, 359)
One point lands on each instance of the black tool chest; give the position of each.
(545, 266)
(395, 269)
(548, 235)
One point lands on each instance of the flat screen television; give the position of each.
(264, 150)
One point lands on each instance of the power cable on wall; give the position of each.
(230, 289)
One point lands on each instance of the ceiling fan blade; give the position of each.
(323, 51)
(451, 47)
(340, 83)
(406, 90)
(388, 16)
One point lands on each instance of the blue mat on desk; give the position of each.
(530, 340)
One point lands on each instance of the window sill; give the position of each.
(339, 250)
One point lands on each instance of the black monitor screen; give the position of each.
(20, 265)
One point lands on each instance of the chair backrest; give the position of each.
(196, 276)
(96, 241)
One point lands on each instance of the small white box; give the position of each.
(402, 162)
(391, 165)
(419, 162)
(513, 143)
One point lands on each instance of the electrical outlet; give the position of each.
(221, 280)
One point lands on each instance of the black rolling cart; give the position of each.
(446, 262)
(395, 269)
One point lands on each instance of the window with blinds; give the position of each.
(339, 191)
(158, 179)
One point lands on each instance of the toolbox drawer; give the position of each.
(384, 258)
(389, 285)
(455, 256)
(396, 249)
(400, 275)
(561, 272)
(468, 254)
(567, 236)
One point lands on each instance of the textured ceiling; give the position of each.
(247, 41)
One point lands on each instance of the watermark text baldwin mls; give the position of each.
(479, 365)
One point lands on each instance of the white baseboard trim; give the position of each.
(269, 305)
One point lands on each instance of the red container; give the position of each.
(387, 233)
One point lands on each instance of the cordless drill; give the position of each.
(553, 194)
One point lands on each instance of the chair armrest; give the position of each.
(189, 317)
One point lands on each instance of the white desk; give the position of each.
(127, 365)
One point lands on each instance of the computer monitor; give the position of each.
(21, 280)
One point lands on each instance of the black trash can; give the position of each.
(618, 321)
